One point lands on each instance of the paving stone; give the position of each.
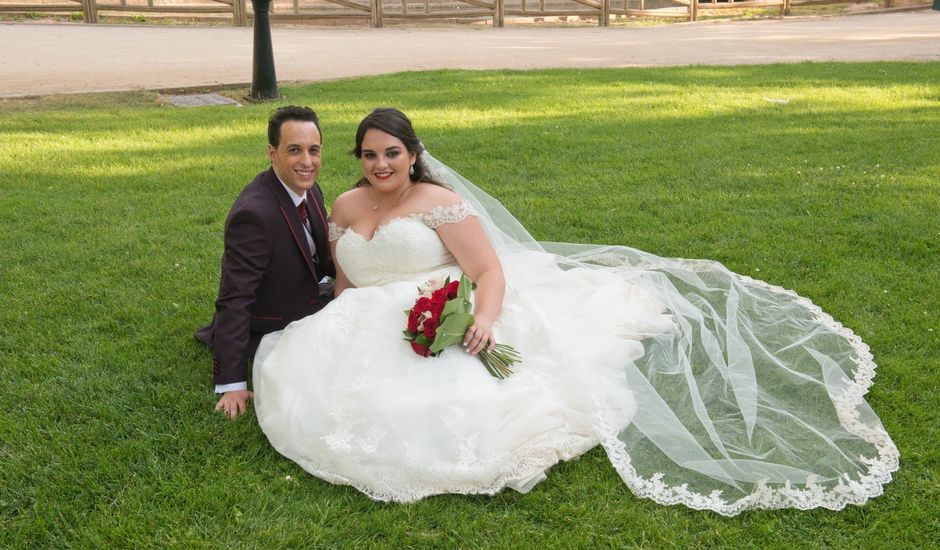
(199, 100)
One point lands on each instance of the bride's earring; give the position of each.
(411, 170)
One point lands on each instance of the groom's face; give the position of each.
(296, 159)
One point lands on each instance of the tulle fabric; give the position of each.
(754, 400)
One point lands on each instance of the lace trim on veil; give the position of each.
(847, 491)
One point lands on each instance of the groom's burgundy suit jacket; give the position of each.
(268, 277)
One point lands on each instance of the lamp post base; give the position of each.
(263, 80)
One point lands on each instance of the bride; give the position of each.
(705, 387)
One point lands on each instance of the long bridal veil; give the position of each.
(755, 400)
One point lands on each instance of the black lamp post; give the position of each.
(263, 81)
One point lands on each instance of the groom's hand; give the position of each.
(234, 403)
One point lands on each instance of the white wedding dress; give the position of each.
(704, 387)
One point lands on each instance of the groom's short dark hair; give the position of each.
(289, 112)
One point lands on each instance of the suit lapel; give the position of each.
(292, 218)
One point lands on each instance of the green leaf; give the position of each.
(457, 305)
(423, 340)
(466, 286)
(451, 331)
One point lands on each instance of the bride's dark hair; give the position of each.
(394, 123)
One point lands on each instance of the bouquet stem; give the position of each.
(498, 360)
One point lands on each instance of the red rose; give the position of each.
(452, 289)
(423, 351)
(438, 300)
(437, 308)
(413, 319)
(430, 328)
(423, 304)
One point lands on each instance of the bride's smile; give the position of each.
(385, 162)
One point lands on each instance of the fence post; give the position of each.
(499, 15)
(376, 6)
(90, 11)
(604, 19)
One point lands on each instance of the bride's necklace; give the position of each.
(376, 203)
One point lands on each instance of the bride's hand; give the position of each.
(234, 403)
(479, 336)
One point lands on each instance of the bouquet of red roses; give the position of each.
(440, 318)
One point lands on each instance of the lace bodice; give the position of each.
(401, 249)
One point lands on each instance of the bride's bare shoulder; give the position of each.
(430, 196)
(346, 205)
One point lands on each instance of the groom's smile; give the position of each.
(296, 158)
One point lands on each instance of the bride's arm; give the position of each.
(338, 219)
(341, 283)
(467, 241)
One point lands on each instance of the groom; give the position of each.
(276, 252)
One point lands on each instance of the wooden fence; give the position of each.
(376, 12)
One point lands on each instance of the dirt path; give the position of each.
(43, 59)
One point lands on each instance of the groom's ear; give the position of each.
(272, 152)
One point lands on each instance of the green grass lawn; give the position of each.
(111, 215)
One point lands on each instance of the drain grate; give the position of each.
(199, 100)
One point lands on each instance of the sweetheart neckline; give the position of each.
(380, 227)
